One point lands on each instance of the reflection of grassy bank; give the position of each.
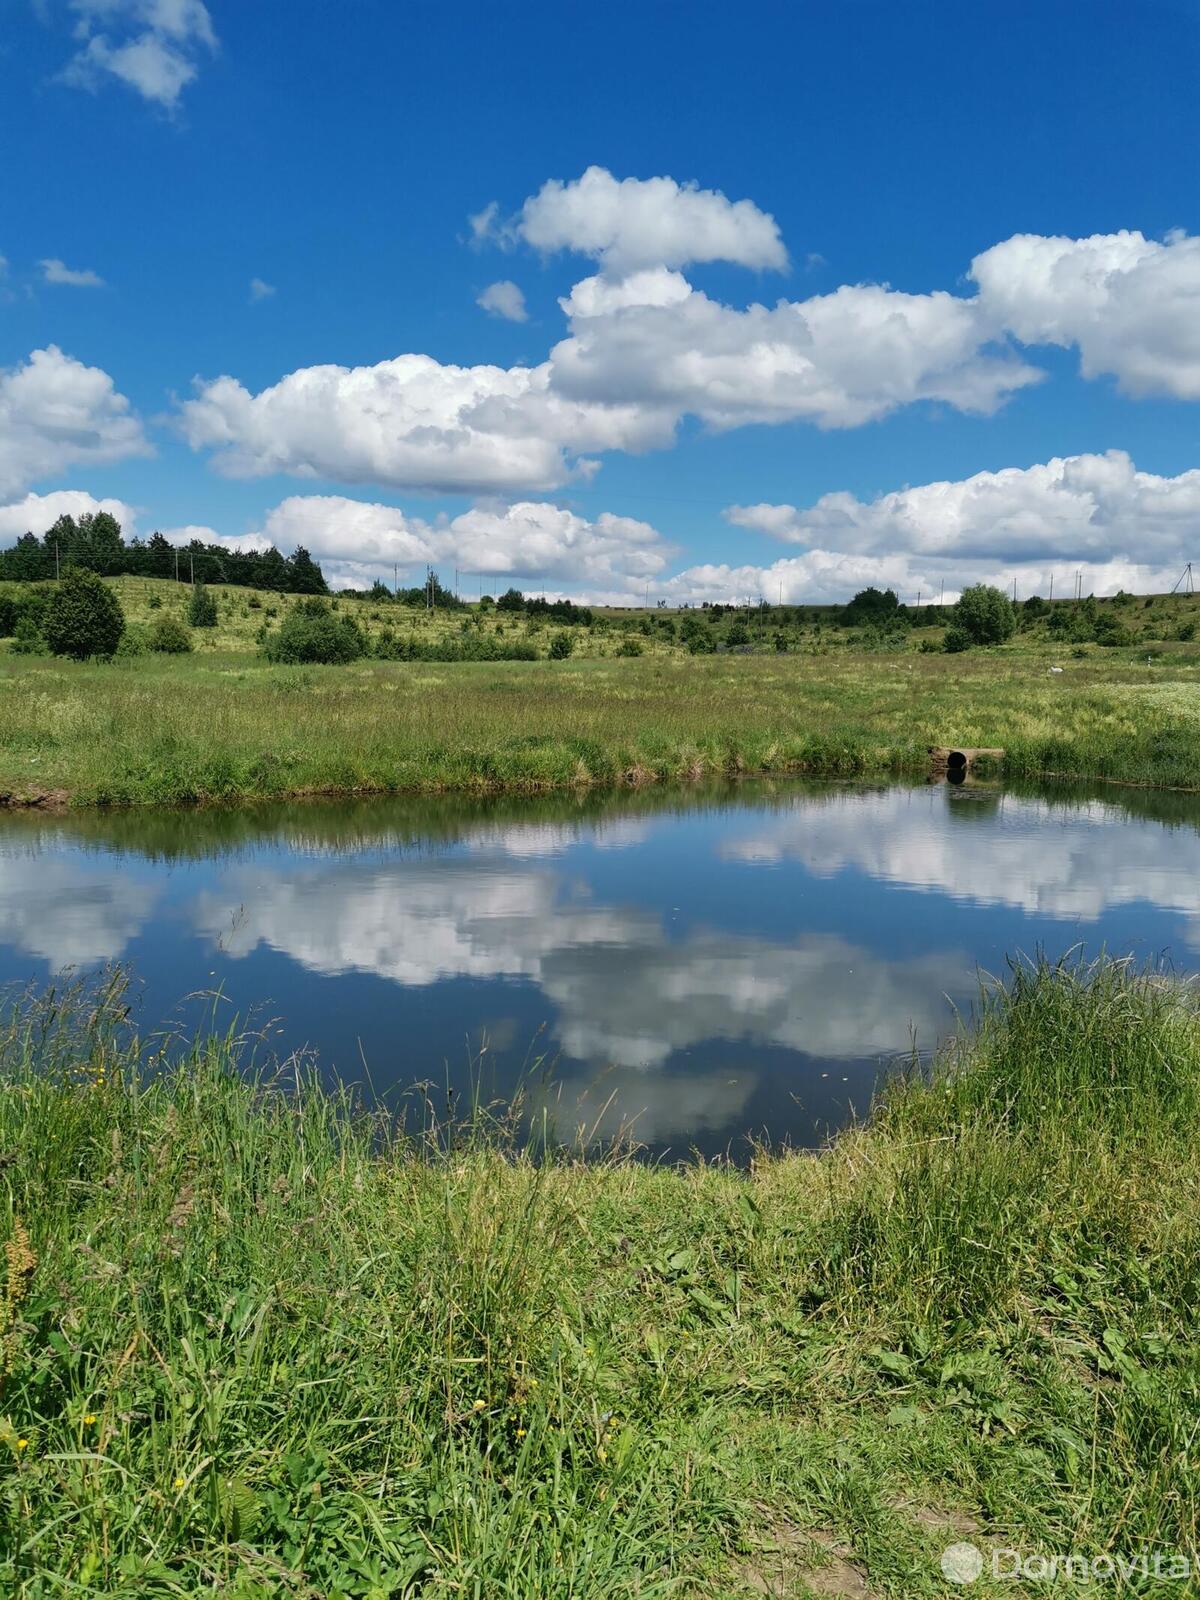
(158, 730)
(261, 1345)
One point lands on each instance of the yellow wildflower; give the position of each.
(520, 1433)
(179, 1483)
(89, 1419)
(478, 1405)
(22, 1444)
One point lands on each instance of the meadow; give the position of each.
(256, 1340)
(221, 724)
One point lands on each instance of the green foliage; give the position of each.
(202, 608)
(561, 646)
(169, 637)
(1109, 630)
(738, 635)
(985, 614)
(955, 640)
(83, 617)
(870, 606)
(258, 1342)
(311, 633)
(511, 600)
(629, 648)
(27, 636)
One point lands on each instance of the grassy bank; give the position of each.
(255, 1344)
(225, 727)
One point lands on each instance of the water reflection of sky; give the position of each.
(710, 970)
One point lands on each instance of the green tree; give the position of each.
(561, 646)
(511, 600)
(202, 608)
(84, 617)
(985, 614)
(312, 633)
(169, 637)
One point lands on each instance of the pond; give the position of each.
(699, 966)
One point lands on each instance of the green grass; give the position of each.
(256, 1342)
(227, 727)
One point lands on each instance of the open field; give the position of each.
(224, 727)
(257, 1344)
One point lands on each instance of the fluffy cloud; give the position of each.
(38, 512)
(151, 46)
(56, 413)
(358, 541)
(634, 222)
(260, 289)
(57, 272)
(837, 360)
(1078, 513)
(413, 423)
(1130, 304)
(504, 299)
(1088, 508)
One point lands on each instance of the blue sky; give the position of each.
(333, 154)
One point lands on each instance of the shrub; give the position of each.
(1109, 631)
(511, 600)
(871, 606)
(629, 647)
(311, 633)
(561, 646)
(27, 640)
(254, 603)
(133, 642)
(8, 615)
(169, 637)
(956, 639)
(985, 614)
(781, 644)
(154, 602)
(84, 617)
(202, 608)
(738, 635)
(1186, 632)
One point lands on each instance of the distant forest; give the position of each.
(94, 541)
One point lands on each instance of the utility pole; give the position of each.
(395, 579)
(1051, 588)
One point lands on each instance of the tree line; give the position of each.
(94, 542)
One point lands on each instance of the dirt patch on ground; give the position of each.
(34, 799)
(794, 1561)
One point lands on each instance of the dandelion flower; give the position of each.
(478, 1405)
(179, 1482)
(89, 1419)
(520, 1433)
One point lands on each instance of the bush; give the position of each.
(155, 602)
(8, 615)
(169, 637)
(311, 633)
(781, 644)
(737, 636)
(629, 647)
(84, 617)
(1186, 632)
(956, 640)
(202, 608)
(1109, 631)
(27, 640)
(133, 643)
(511, 600)
(985, 614)
(561, 646)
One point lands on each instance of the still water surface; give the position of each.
(708, 965)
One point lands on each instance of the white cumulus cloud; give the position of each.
(504, 299)
(627, 223)
(358, 541)
(35, 513)
(1130, 304)
(57, 272)
(57, 413)
(151, 46)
